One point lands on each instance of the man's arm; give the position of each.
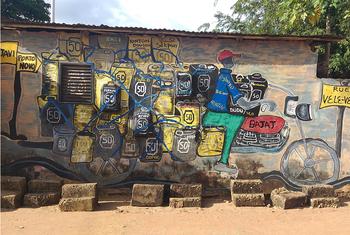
(245, 104)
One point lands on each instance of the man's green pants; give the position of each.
(231, 122)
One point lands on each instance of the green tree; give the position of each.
(294, 17)
(27, 10)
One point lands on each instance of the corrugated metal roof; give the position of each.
(183, 33)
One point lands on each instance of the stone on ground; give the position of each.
(343, 193)
(41, 186)
(14, 183)
(246, 186)
(251, 199)
(78, 204)
(185, 190)
(79, 190)
(147, 195)
(10, 199)
(41, 199)
(285, 199)
(185, 202)
(318, 190)
(324, 202)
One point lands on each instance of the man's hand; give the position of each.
(271, 105)
(244, 103)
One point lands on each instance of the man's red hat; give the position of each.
(224, 54)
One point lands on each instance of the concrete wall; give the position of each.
(267, 145)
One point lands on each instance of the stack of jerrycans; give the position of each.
(147, 135)
(204, 77)
(123, 74)
(184, 135)
(184, 144)
(163, 88)
(84, 138)
(183, 82)
(68, 142)
(104, 138)
(112, 123)
(56, 118)
(253, 87)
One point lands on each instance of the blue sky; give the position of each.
(169, 14)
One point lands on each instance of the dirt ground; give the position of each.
(215, 218)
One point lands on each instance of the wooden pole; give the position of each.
(340, 119)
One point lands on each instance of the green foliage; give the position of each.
(28, 10)
(293, 17)
(340, 59)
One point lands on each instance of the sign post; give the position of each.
(339, 96)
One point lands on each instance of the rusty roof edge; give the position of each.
(165, 32)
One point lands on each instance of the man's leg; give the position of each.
(232, 124)
(212, 119)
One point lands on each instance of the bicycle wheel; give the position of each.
(107, 171)
(319, 166)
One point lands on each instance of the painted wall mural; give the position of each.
(111, 104)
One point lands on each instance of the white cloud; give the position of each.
(176, 14)
(170, 14)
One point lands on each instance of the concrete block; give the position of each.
(285, 199)
(324, 202)
(41, 186)
(319, 190)
(41, 199)
(185, 202)
(78, 204)
(79, 190)
(252, 199)
(186, 190)
(147, 195)
(14, 183)
(343, 193)
(246, 186)
(10, 199)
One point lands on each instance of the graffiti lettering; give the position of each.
(52, 115)
(335, 96)
(203, 83)
(121, 76)
(152, 146)
(7, 53)
(130, 147)
(74, 47)
(189, 116)
(335, 99)
(262, 124)
(62, 144)
(106, 141)
(140, 88)
(341, 89)
(183, 145)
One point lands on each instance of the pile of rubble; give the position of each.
(16, 191)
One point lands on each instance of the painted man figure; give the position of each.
(218, 111)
